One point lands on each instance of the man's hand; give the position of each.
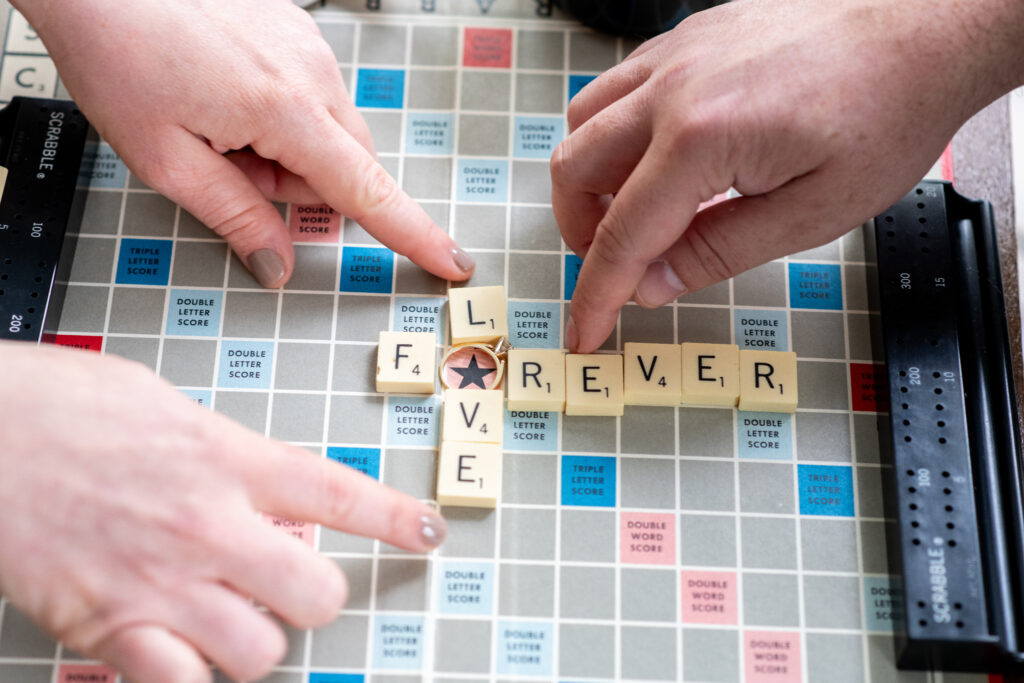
(171, 85)
(130, 525)
(820, 113)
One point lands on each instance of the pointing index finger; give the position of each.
(348, 178)
(293, 483)
(647, 216)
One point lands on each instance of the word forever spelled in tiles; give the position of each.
(469, 474)
(711, 374)
(478, 314)
(768, 381)
(471, 415)
(406, 362)
(593, 384)
(651, 374)
(536, 380)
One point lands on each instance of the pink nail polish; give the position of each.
(433, 530)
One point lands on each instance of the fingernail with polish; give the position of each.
(433, 530)
(572, 335)
(464, 261)
(658, 286)
(266, 266)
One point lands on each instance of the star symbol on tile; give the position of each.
(473, 374)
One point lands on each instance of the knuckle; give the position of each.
(377, 192)
(336, 498)
(576, 115)
(614, 242)
(562, 161)
(241, 227)
(695, 124)
(710, 257)
(191, 525)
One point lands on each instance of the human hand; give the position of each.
(821, 114)
(170, 85)
(130, 525)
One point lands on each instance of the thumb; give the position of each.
(218, 193)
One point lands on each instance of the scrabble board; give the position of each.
(672, 543)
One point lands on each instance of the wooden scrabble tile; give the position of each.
(711, 374)
(469, 474)
(593, 384)
(406, 362)
(652, 374)
(536, 379)
(768, 381)
(473, 415)
(477, 314)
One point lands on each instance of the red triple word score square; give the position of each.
(76, 341)
(869, 385)
(487, 47)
